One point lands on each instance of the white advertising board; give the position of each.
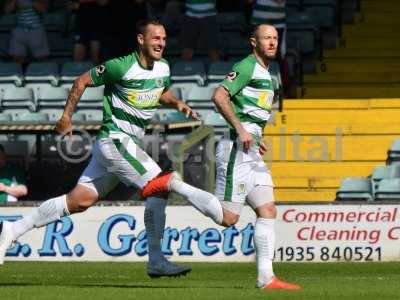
(305, 233)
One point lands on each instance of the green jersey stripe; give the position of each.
(129, 158)
(229, 174)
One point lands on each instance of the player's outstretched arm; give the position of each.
(64, 125)
(169, 99)
(222, 100)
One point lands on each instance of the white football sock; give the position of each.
(203, 201)
(49, 211)
(264, 241)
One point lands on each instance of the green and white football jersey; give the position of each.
(252, 93)
(131, 94)
(201, 8)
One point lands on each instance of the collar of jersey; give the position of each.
(140, 65)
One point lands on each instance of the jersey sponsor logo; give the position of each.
(232, 76)
(143, 99)
(100, 69)
(265, 100)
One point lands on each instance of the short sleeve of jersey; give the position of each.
(110, 72)
(238, 78)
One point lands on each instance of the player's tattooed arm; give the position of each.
(64, 125)
(169, 99)
(222, 101)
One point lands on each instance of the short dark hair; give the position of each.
(254, 29)
(141, 26)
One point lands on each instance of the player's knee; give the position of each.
(267, 211)
(80, 199)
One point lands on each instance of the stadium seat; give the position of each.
(355, 189)
(322, 12)
(384, 172)
(5, 117)
(91, 115)
(71, 70)
(235, 45)
(231, 21)
(17, 98)
(60, 46)
(92, 98)
(183, 71)
(388, 189)
(7, 22)
(42, 72)
(4, 42)
(394, 152)
(162, 114)
(218, 70)
(55, 21)
(32, 117)
(11, 73)
(292, 6)
(300, 27)
(51, 101)
(200, 97)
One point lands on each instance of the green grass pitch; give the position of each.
(47, 280)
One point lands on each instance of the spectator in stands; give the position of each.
(200, 25)
(12, 180)
(273, 12)
(29, 34)
(90, 21)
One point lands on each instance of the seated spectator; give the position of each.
(90, 21)
(29, 34)
(200, 25)
(12, 180)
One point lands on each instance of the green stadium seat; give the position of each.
(5, 117)
(17, 98)
(236, 45)
(384, 172)
(231, 21)
(355, 189)
(394, 152)
(215, 119)
(42, 72)
(7, 22)
(32, 117)
(15, 113)
(51, 97)
(323, 12)
(300, 27)
(71, 70)
(200, 97)
(292, 6)
(388, 189)
(11, 73)
(59, 45)
(218, 70)
(91, 115)
(92, 98)
(189, 72)
(4, 42)
(162, 114)
(55, 21)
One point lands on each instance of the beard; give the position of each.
(150, 54)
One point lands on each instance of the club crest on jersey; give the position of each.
(159, 82)
(100, 69)
(231, 76)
